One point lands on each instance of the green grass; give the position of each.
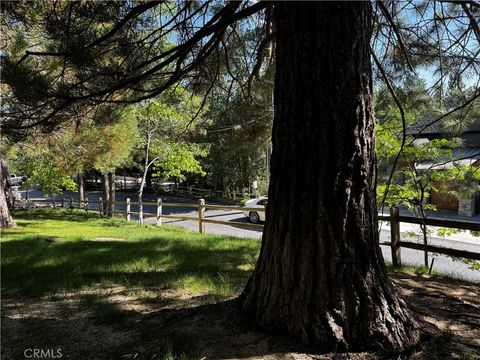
(52, 259)
(415, 270)
(52, 252)
(423, 271)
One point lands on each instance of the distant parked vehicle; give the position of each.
(17, 180)
(164, 186)
(254, 216)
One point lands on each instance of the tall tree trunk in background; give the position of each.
(111, 206)
(320, 275)
(6, 220)
(81, 189)
(105, 193)
(142, 187)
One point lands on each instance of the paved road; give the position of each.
(444, 264)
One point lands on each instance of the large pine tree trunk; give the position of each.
(6, 220)
(320, 275)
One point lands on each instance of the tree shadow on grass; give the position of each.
(32, 267)
(110, 331)
(55, 214)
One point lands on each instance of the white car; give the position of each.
(256, 216)
(17, 180)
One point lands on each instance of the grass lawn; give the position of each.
(54, 251)
(113, 269)
(99, 288)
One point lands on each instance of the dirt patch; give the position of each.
(451, 307)
(157, 323)
(108, 239)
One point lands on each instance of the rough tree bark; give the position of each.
(6, 220)
(320, 275)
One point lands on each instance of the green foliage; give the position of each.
(424, 165)
(412, 184)
(472, 264)
(111, 145)
(52, 180)
(461, 181)
(105, 144)
(444, 232)
(239, 137)
(179, 159)
(165, 138)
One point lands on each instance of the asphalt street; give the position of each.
(443, 264)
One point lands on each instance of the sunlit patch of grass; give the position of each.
(246, 267)
(415, 270)
(142, 256)
(219, 285)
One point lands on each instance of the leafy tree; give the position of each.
(179, 159)
(163, 126)
(422, 167)
(42, 171)
(107, 144)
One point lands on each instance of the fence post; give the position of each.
(63, 202)
(71, 203)
(201, 216)
(395, 236)
(159, 212)
(127, 211)
(85, 204)
(100, 205)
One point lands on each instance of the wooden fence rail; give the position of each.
(394, 218)
(396, 243)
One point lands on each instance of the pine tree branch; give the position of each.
(460, 107)
(473, 22)
(389, 18)
(134, 12)
(404, 124)
(215, 28)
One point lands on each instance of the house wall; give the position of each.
(441, 200)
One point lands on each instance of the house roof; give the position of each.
(460, 156)
(428, 126)
(466, 153)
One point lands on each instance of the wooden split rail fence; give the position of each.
(396, 243)
(394, 218)
(190, 191)
(108, 208)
